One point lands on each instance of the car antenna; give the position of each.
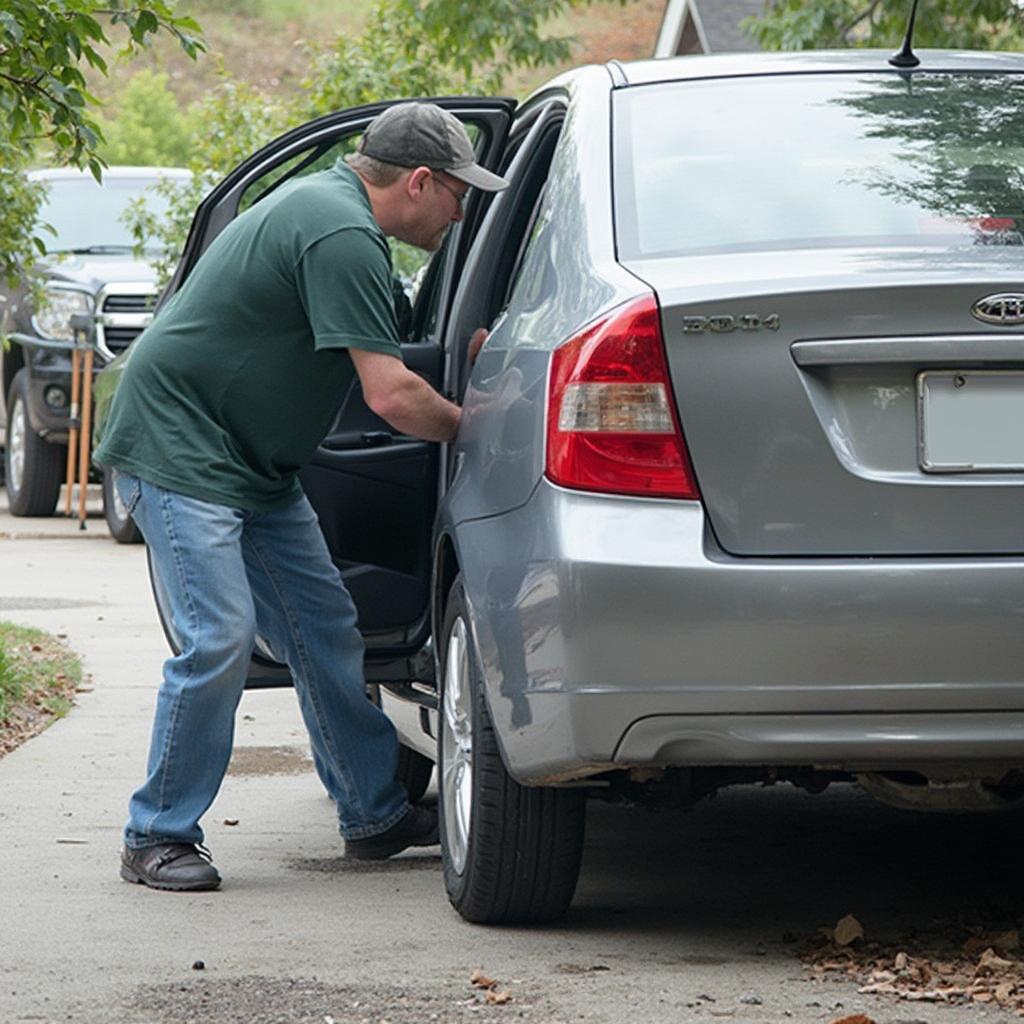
(906, 58)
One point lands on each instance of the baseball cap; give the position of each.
(416, 134)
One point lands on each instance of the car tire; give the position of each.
(120, 524)
(33, 468)
(413, 772)
(510, 853)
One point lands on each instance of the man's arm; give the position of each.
(403, 399)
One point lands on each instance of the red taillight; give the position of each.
(612, 424)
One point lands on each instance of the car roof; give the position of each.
(728, 65)
(71, 173)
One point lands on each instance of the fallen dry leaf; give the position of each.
(848, 930)
(991, 962)
(856, 1018)
(879, 988)
(496, 998)
(480, 980)
(933, 995)
(1002, 942)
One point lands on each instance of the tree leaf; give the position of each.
(847, 930)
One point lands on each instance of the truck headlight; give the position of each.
(53, 318)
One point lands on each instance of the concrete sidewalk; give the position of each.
(77, 943)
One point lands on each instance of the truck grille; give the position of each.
(124, 314)
(128, 303)
(119, 338)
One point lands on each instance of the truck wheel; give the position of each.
(121, 525)
(510, 853)
(33, 468)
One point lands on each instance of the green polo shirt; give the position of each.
(226, 395)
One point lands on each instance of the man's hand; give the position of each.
(403, 399)
(476, 343)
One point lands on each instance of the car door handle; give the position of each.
(354, 440)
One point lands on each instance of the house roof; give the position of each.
(706, 26)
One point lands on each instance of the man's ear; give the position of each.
(417, 181)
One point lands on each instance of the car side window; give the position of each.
(522, 226)
(308, 161)
(505, 237)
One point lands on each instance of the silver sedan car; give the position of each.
(739, 492)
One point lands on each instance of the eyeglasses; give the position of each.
(460, 197)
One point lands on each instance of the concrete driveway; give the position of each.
(678, 917)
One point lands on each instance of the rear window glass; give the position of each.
(819, 160)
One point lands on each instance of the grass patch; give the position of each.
(39, 675)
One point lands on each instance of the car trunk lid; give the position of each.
(827, 400)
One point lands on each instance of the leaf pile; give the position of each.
(981, 965)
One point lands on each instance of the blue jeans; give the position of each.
(227, 575)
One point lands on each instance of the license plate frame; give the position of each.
(970, 421)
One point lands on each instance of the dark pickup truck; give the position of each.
(90, 273)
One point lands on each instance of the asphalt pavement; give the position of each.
(679, 917)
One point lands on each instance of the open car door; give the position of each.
(374, 491)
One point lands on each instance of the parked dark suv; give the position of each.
(89, 270)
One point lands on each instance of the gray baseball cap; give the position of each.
(425, 135)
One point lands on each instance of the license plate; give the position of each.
(971, 421)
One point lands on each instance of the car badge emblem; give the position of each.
(1005, 309)
(725, 323)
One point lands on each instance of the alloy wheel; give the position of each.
(457, 745)
(120, 508)
(16, 446)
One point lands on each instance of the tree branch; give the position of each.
(854, 22)
(32, 85)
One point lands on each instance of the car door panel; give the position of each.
(373, 491)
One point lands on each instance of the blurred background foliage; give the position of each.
(835, 24)
(272, 64)
(307, 59)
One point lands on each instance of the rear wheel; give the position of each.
(510, 853)
(121, 525)
(33, 468)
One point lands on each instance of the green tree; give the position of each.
(407, 48)
(44, 101)
(431, 47)
(148, 127)
(959, 24)
(229, 124)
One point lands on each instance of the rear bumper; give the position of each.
(614, 631)
(843, 742)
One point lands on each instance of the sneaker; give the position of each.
(179, 867)
(417, 828)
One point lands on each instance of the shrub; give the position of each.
(146, 126)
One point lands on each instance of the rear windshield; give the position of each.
(788, 162)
